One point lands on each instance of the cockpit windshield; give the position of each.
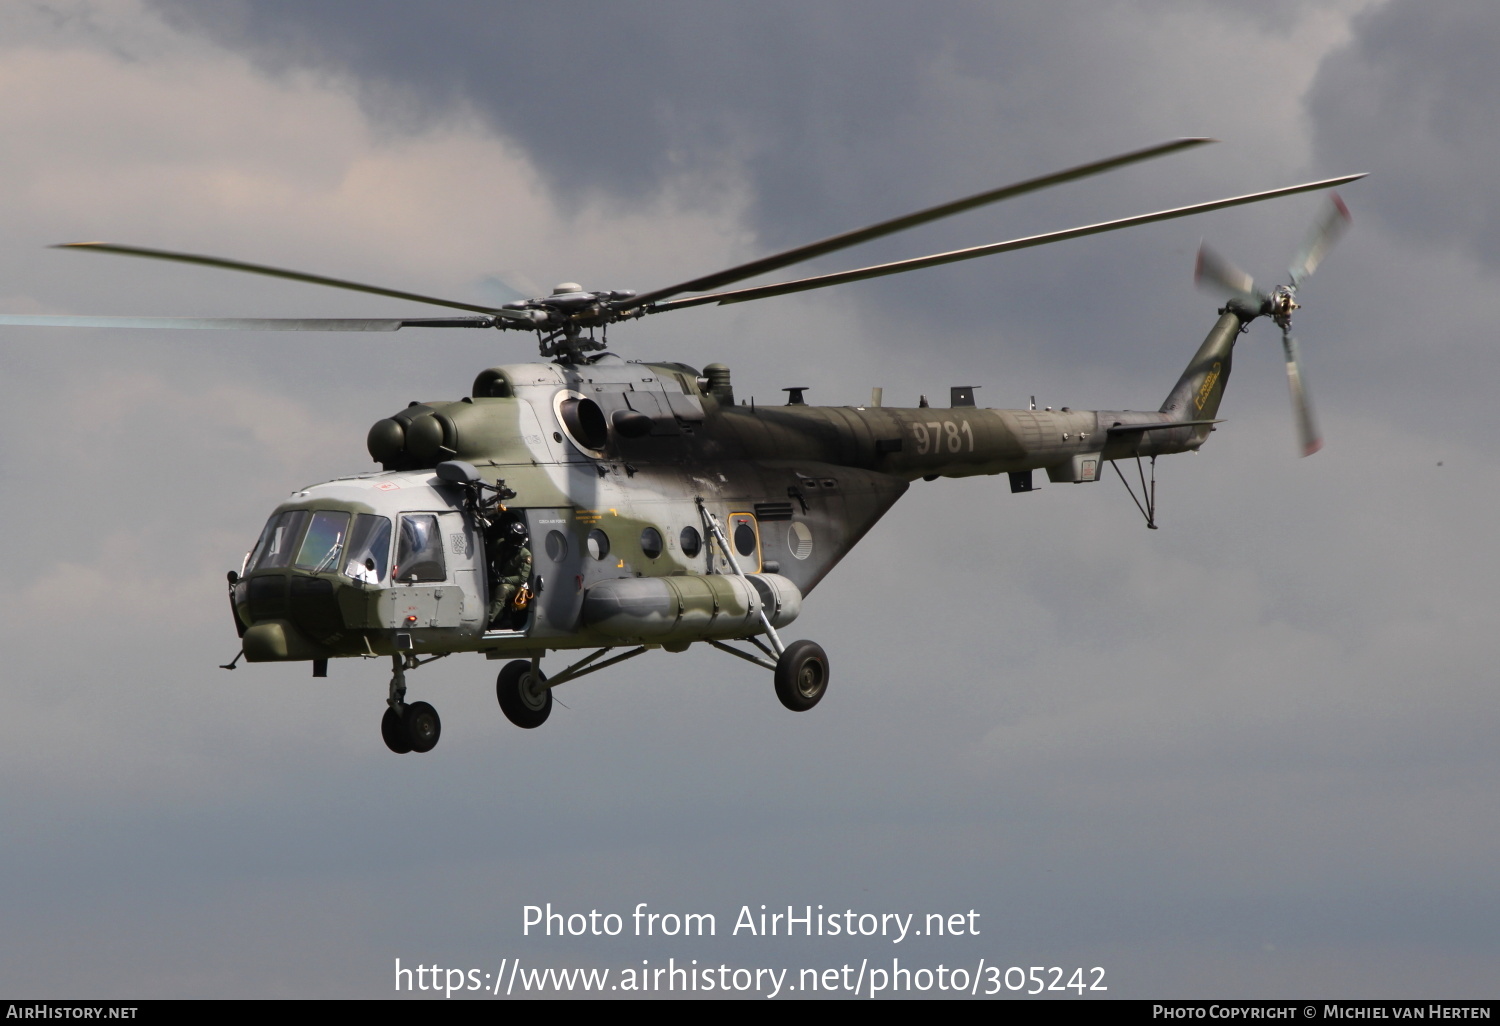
(324, 538)
(275, 546)
(369, 549)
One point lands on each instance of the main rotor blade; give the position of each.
(246, 323)
(875, 231)
(953, 256)
(1307, 429)
(279, 272)
(1320, 239)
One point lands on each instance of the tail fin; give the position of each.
(1197, 393)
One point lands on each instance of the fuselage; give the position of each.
(615, 466)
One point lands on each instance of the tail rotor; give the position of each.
(1218, 275)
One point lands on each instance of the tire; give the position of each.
(523, 703)
(801, 675)
(423, 727)
(393, 730)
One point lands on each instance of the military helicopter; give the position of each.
(589, 502)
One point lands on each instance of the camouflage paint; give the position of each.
(806, 482)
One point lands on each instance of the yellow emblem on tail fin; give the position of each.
(1208, 385)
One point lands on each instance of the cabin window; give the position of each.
(274, 550)
(651, 543)
(419, 552)
(323, 541)
(744, 538)
(598, 544)
(557, 546)
(691, 542)
(744, 535)
(369, 549)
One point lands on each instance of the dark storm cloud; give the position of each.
(837, 112)
(1414, 100)
(618, 97)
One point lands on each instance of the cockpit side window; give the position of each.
(419, 552)
(274, 550)
(369, 549)
(323, 541)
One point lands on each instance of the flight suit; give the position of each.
(510, 568)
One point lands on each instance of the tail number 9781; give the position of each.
(937, 436)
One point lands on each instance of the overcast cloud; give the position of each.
(1250, 754)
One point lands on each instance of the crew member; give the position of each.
(509, 557)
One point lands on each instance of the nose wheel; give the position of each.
(393, 730)
(411, 728)
(408, 728)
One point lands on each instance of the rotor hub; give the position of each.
(1282, 303)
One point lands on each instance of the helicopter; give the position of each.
(592, 503)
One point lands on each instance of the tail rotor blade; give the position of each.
(1214, 273)
(1320, 239)
(1307, 428)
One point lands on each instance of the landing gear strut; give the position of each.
(408, 728)
(801, 668)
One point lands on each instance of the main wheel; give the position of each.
(801, 675)
(423, 728)
(525, 699)
(393, 730)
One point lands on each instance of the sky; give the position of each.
(1246, 755)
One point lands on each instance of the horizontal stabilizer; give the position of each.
(1125, 429)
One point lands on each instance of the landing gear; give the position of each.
(801, 675)
(423, 727)
(801, 669)
(408, 728)
(393, 729)
(523, 693)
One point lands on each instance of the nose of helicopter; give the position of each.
(286, 601)
(287, 616)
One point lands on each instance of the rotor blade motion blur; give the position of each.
(1307, 429)
(279, 272)
(1320, 239)
(875, 231)
(246, 323)
(1217, 274)
(953, 256)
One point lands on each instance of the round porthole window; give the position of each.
(557, 546)
(598, 544)
(744, 538)
(651, 543)
(691, 541)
